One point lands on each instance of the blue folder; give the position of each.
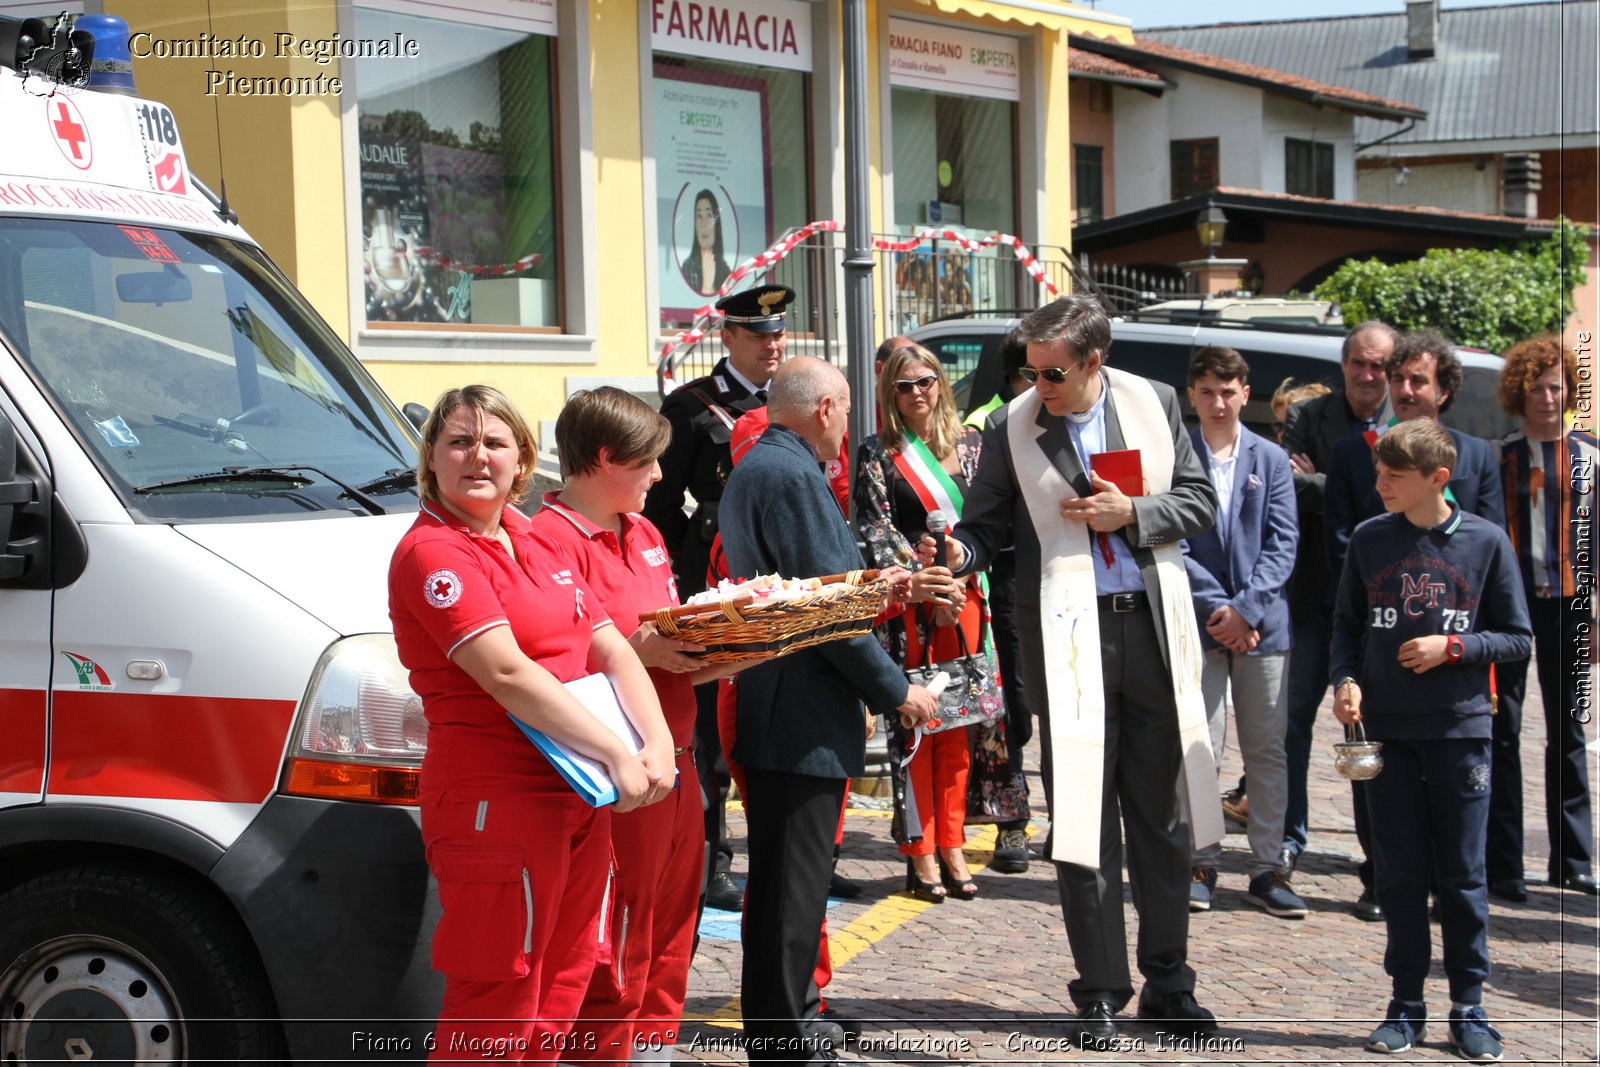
(586, 776)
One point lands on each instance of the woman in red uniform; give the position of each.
(609, 441)
(488, 621)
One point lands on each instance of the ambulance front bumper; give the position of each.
(338, 899)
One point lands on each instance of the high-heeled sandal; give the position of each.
(961, 890)
(931, 892)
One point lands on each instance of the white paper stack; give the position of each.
(587, 776)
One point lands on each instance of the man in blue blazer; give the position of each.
(800, 731)
(1238, 572)
(1424, 376)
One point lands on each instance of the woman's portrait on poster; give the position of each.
(706, 266)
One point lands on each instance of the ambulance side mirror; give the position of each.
(14, 492)
(415, 414)
(41, 546)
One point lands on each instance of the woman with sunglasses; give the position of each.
(921, 461)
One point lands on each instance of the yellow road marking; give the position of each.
(868, 928)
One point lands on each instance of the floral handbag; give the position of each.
(973, 695)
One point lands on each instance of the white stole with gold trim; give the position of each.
(1069, 620)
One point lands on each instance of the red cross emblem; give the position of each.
(441, 589)
(71, 135)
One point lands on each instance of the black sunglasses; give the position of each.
(1053, 375)
(904, 387)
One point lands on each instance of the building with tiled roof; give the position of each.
(1154, 122)
(1500, 84)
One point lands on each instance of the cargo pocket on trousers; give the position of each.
(486, 932)
(611, 938)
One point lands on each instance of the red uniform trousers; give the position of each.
(727, 729)
(521, 885)
(938, 773)
(636, 1004)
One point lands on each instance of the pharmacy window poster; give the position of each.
(713, 193)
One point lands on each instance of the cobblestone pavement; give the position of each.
(986, 980)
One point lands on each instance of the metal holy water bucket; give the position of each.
(1355, 757)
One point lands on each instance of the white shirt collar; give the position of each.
(733, 372)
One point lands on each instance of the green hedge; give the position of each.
(1480, 297)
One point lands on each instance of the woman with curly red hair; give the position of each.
(1549, 472)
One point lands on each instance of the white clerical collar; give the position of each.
(749, 386)
(1083, 418)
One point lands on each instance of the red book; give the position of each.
(1122, 469)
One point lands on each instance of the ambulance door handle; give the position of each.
(146, 670)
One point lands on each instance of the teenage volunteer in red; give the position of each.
(488, 620)
(609, 441)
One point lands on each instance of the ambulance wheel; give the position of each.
(113, 964)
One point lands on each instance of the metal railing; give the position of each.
(934, 280)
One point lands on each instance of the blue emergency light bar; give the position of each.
(111, 69)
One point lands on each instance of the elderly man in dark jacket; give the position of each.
(800, 729)
(1310, 432)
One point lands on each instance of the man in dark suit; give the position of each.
(1100, 583)
(702, 414)
(1238, 570)
(1310, 432)
(800, 734)
(1424, 376)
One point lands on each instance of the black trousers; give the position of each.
(1557, 641)
(791, 820)
(1429, 810)
(1139, 795)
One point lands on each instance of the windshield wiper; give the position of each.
(256, 474)
(392, 480)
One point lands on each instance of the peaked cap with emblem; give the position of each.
(763, 309)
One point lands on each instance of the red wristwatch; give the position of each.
(1453, 650)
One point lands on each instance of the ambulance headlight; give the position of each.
(360, 732)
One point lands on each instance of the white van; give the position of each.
(208, 749)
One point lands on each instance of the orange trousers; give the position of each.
(938, 777)
(938, 774)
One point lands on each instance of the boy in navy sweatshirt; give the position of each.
(1429, 598)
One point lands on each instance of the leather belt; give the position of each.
(1122, 603)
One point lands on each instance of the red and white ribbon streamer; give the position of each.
(495, 270)
(706, 316)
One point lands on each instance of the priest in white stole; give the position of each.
(1108, 635)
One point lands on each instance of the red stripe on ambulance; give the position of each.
(171, 747)
(22, 724)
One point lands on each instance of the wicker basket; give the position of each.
(733, 630)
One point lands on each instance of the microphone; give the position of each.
(938, 523)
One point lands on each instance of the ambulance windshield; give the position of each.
(200, 382)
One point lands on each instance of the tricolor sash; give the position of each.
(927, 477)
(1069, 623)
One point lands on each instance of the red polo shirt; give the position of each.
(448, 584)
(629, 577)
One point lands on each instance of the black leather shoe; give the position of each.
(1578, 883)
(724, 894)
(1513, 889)
(827, 1030)
(842, 887)
(1288, 860)
(1097, 1024)
(850, 1027)
(1367, 908)
(1176, 1013)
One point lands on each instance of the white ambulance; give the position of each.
(209, 844)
